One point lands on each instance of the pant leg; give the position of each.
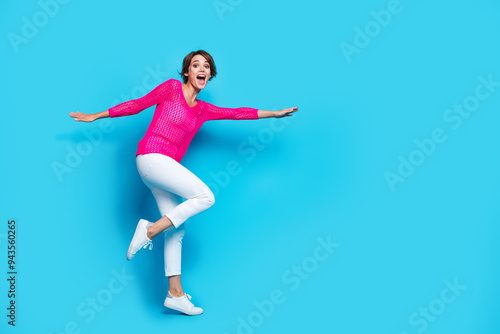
(158, 170)
(173, 236)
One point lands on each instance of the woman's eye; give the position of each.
(206, 66)
(195, 65)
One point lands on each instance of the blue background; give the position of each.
(322, 176)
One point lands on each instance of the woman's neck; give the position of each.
(190, 93)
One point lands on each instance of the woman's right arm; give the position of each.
(132, 107)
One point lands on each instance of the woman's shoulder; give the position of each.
(172, 82)
(170, 86)
(202, 104)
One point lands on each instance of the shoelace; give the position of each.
(189, 299)
(149, 243)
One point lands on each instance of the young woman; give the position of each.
(177, 117)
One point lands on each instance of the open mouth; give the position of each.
(201, 78)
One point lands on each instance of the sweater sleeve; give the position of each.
(132, 107)
(213, 112)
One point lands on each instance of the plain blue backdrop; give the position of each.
(374, 209)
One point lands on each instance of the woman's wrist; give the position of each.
(266, 113)
(102, 114)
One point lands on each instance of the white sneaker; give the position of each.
(182, 304)
(140, 239)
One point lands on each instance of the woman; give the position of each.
(177, 117)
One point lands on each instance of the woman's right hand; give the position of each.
(82, 117)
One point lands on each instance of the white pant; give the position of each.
(169, 181)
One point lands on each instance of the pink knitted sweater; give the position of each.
(174, 123)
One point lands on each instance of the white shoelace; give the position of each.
(149, 243)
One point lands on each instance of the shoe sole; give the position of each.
(180, 310)
(131, 256)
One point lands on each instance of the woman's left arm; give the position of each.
(277, 114)
(213, 112)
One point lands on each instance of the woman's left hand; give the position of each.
(286, 112)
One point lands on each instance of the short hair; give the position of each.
(187, 62)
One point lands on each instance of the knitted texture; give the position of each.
(174, 123)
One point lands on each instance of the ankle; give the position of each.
(150, 233)
(176, 293)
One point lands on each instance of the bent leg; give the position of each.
(169, 175)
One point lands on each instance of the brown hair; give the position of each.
(187, 62)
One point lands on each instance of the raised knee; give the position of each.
(209, 197)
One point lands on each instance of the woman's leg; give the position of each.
(165, 173)
(168, 182)
(166, 201)
(175, 286)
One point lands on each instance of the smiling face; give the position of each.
(198, 72)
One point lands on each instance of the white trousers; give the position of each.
(169, 182)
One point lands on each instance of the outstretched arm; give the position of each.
(277, 114)
(132, 107)
(214, 112)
